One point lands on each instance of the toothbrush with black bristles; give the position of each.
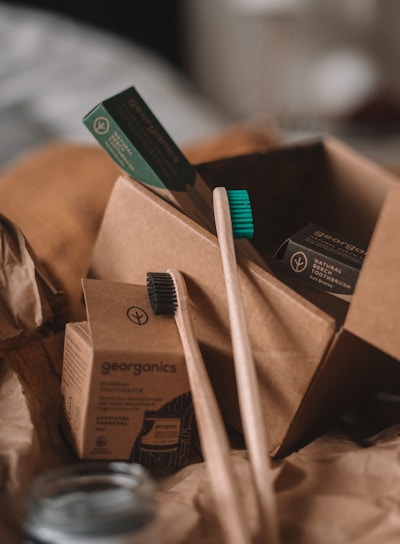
(168, 296)
(234, 219)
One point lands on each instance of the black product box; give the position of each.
(323, 259)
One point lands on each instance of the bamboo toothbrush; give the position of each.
(168, 296)
(233, 219)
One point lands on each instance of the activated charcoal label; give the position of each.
(166, 436)
(324, 259)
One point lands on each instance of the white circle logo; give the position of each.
(298, 261)
(101, 125)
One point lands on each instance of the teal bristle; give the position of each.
(241, 213)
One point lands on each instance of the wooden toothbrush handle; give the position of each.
(214, 441)
(246, 376)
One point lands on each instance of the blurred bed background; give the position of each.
(57, 60)
(301, 67)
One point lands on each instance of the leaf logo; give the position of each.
(101, 125)
(298, 261)
(137, 315)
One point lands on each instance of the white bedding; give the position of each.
(54, 70)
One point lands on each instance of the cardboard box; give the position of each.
(124, 380)
(315, 354)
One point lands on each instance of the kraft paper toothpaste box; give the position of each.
(124, 381)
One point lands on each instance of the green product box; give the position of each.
(133, 137)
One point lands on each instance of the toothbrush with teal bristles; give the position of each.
(234, 219)
(168, 296)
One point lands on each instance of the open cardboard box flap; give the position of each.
(301, 340)
(378, 286)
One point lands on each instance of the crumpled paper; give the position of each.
(29, 440)
(26, 294)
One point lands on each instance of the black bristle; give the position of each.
(161, 291)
